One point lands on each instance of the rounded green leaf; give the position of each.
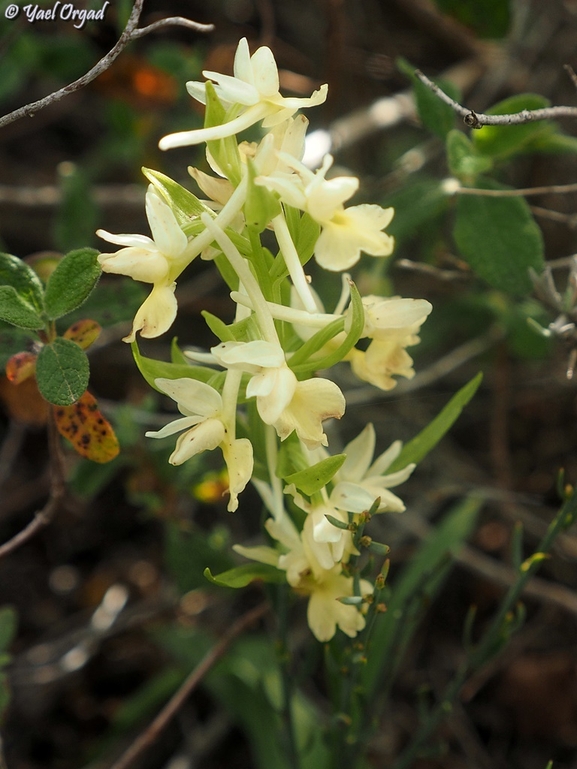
(499, 238)
(16, 273)
(14, 309)
(62, 372)
(71, 282)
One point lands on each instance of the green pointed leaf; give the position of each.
(16, 273)
(17, 311)
(316, 477)
(183, 202)
(499, 238)
(241, 576)
(418, 448)
(157, 369)
(62, 372)
(500, 141)
(72, 282)
(437, 116)
(464, 161)
(218, 327)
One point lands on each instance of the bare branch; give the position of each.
(478, 119)
(553, 189)
(177, 701)
(129, 33)
(57, 492)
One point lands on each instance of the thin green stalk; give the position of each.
(493, 638)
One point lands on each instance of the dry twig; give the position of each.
(478, 119)
(177, 701)
(130, 32)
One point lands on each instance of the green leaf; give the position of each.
(316, 477)
(501, 141)
(72, 282)
(241, 576)
(16, 273)
(487, 18)
(424, 575)
(8, 625)
(218, 327)
(62, 372)
(320, 339)
(115, 300)
(464, 160)
(418, 448)
(17, 311)
(437, 116)
(499, 238)
(184, 204)
(157, 369)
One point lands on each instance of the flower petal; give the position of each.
(168, 236)
(192, 396)
(359, 453)
(177, 426)
(146, 265)
(156, 315)
(204, 437)
(239, 462)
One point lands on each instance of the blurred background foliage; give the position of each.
(135, 535)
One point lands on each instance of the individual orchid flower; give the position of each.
(325, 587)
(360, 480)
(329, 544)
(205, 429)
(252, 93)
(158, 260)
(345, 231)
(282, 401)
(392, 324)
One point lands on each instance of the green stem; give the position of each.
(491, 641)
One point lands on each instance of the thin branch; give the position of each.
(129, 33)
(57, 492)
(478, 119)
(151, 733)
(553, 189)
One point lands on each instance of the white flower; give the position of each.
(360, 480)
(254, 91)
(323, 586)
(282, 401)
(345, 231)
(206, 429)
(158, 260)
(393, 325)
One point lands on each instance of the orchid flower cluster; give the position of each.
(257, 394)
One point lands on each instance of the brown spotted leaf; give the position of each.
(23, 402)
(20, 367)
(89, 432)
(83, 332)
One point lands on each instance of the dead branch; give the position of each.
(474, 119)
(130, 32)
